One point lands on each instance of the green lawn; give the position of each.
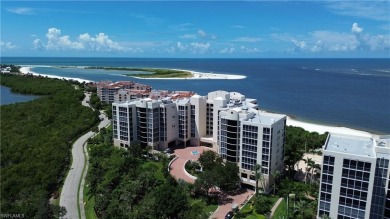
(280, 212)
(89, 206)
(155, 165)
(211, 208)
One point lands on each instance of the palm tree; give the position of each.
(275, 174)
(307, 162)
(300, 208)
(258, 176)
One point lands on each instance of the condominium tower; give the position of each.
(226, 121)
(355, 177)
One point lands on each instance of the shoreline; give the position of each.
(199, 75)
(27, 70)
(196, 75)
(321, 129)
(311, 127)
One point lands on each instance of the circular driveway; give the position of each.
(226, 201)
(184, 154)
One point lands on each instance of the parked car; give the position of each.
(168, 151)
(229, 215)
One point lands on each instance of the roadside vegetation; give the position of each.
(149, 72)
(36, 137)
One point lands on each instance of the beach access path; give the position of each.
(69, 194)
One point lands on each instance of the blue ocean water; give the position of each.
(343, 92)
(7, 97)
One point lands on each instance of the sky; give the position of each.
(196, 29)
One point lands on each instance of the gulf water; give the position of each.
(342, 92)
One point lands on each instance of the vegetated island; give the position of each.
(162, 73)
(150, 72)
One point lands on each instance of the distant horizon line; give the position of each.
(121, 57)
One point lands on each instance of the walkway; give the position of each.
(70, 189)
(226, 202)
(275, 206)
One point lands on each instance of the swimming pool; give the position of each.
(195, 152)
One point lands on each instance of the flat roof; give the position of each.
(349, 144)
(266, 118)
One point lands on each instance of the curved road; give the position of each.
(70, 189)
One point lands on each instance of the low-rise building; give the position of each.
(106, 90)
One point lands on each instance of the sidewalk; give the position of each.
(275, 206)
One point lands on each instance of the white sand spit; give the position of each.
(27, 70)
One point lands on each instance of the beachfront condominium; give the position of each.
(106, 90)
(226, 121)
(355, 177)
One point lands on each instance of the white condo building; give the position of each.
(226, 121)
(355, 177)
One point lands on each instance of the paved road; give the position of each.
(69, 191)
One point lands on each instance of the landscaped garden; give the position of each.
(258, 207)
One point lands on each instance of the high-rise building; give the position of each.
(355, 177)
(228, 122)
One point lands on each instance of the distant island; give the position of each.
(150, 72)
(162, 73)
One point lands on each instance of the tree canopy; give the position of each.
(35, 142)
(298, 142)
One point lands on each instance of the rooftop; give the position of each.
(349, 144)
(266, 118)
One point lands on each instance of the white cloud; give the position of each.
(101, 42)
(247, 39)
(188, 36)
(299, 45)
(181, 47)
(85, 42)
(334, 41)
(7, 45)
(181, 27)
(245, 49)
(325, 40)
(356, 28)
(25, 11)
(194, 48)
(38, 45)
(57, 42)
(237, 27)
(376, 10)
(200, 47)
(227, 50)
(213, 36)
(201, 33)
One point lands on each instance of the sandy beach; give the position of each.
(311, 127)
(27, 70)
(199, 75)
